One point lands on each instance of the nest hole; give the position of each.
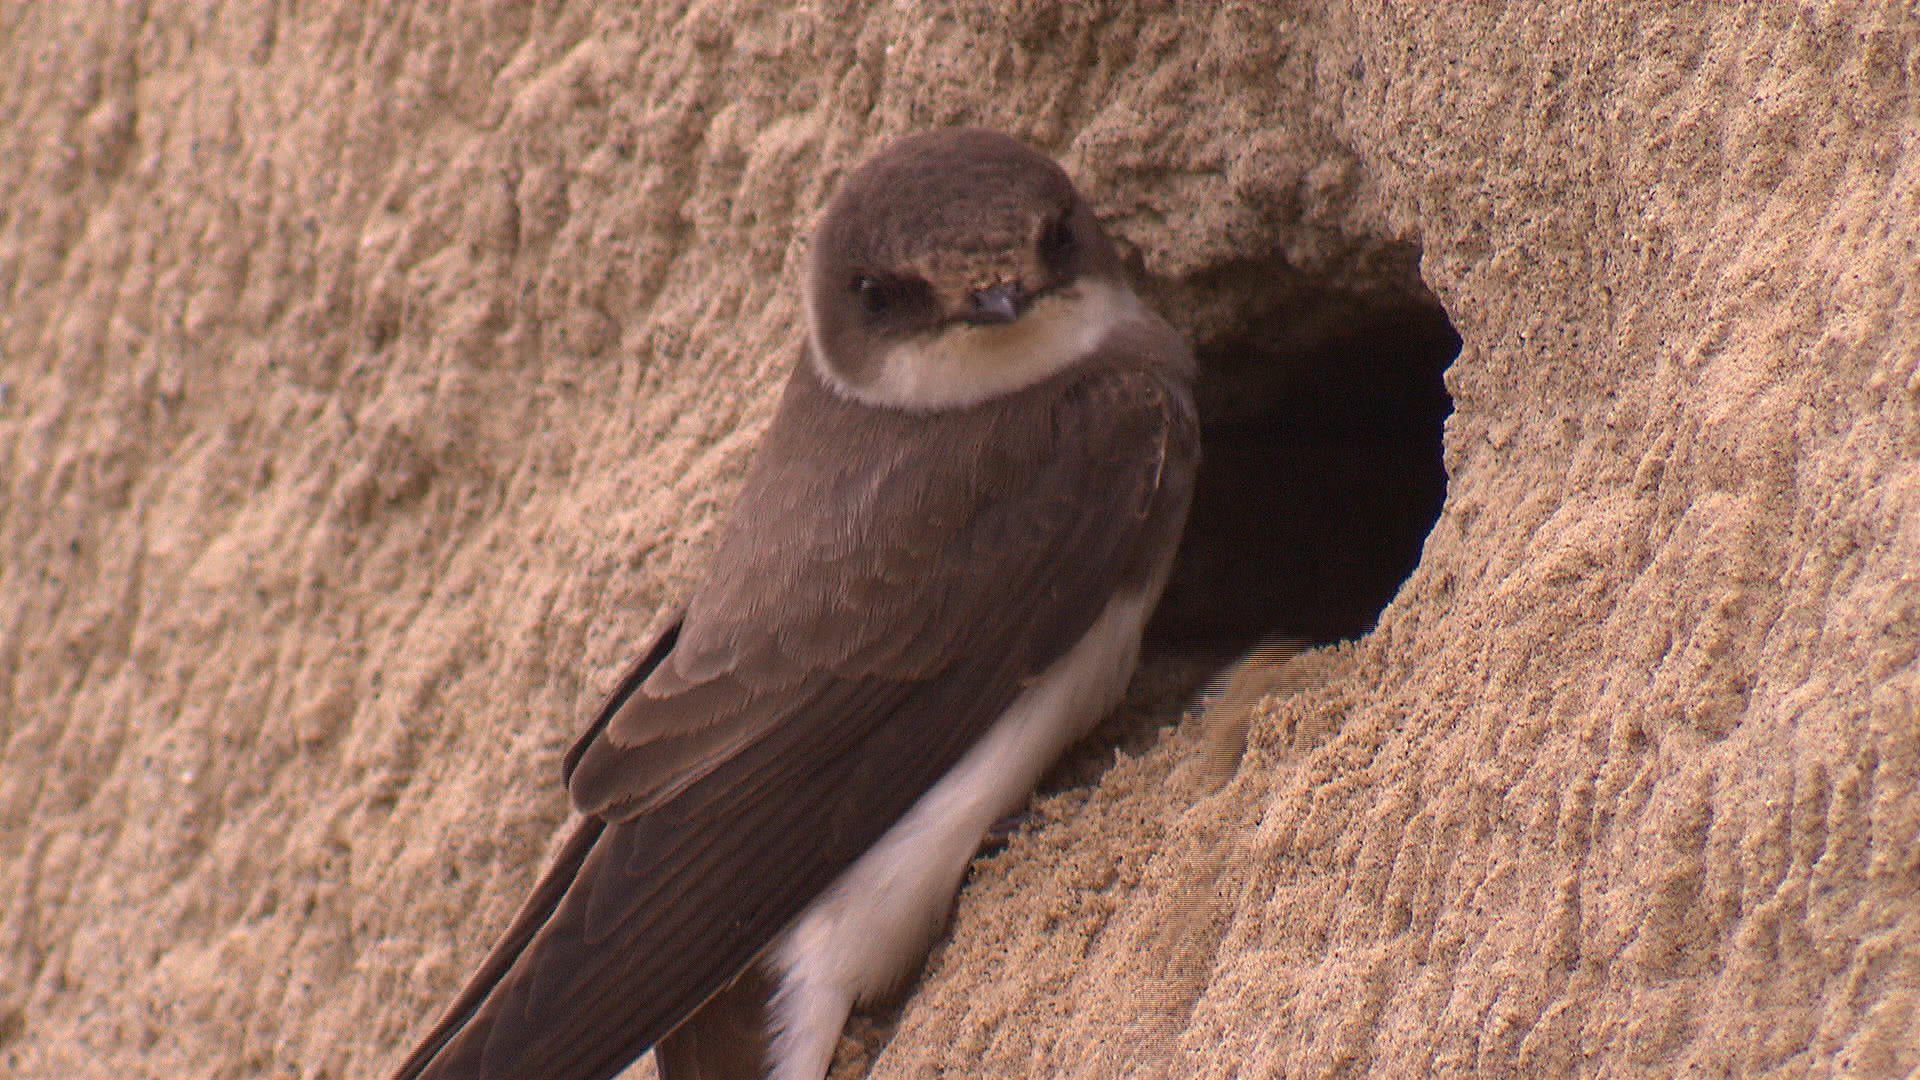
(1322, 413)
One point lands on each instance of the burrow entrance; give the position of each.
(1322, 413)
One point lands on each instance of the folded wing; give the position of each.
(867, 618)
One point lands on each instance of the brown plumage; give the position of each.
(893, 580)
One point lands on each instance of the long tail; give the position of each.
(533, 915)
(552, 887)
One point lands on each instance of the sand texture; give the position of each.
(372, 381)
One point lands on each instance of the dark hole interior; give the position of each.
(1321, 412)
(1321, 476)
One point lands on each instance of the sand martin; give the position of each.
(933, 581)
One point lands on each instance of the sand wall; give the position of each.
(371, 381)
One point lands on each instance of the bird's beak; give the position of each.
(998, 304)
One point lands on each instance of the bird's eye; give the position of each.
(893, 303)
(874, 298)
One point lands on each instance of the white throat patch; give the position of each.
(965, 365)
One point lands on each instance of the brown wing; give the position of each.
(887, 584)
(552, 887)
(728, 1038)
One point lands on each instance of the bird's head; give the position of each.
(955, 266)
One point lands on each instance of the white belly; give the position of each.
(879, 916)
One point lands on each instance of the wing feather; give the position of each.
(869, 615)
